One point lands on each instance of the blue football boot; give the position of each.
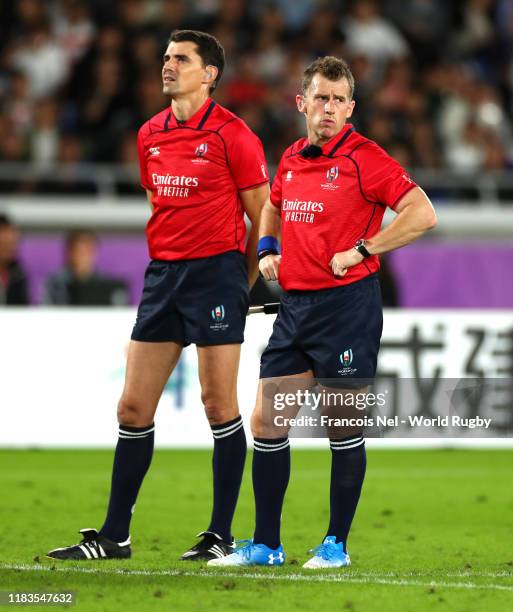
(251, 554)
(328, 554)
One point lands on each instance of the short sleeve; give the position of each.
(382, 179)
(142, 158)
(245, 155)
(276, 195)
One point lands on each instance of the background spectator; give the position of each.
(78, 283)
(13, 282)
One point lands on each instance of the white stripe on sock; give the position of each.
(218, 431)
(132, 438)
(361, 443)
(269, 444)
(229, 433)
(344, 442)
(135, 434)
(271, 448)
(266, 445)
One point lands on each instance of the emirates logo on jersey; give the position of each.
(201, 150)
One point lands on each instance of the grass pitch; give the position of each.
(434, 531)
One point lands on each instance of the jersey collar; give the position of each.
(330, 147)
(196, 121)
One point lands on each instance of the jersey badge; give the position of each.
(331, 177)
(200, 152)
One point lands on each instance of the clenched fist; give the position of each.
(340, 262)
(269, 266)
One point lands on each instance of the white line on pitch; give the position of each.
(262, 576)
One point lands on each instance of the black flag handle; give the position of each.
(271, 308)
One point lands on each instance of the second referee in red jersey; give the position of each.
(327, 203)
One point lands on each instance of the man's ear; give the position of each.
(301, 104)
(211, 73)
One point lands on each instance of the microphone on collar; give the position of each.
(311, 151)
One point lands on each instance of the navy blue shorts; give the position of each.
(196, 301)
(333, 332)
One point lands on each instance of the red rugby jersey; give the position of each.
(327, 203)
(195, 171)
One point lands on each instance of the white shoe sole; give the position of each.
(319, 567)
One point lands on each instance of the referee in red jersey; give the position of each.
(202, 169)
(328, 200)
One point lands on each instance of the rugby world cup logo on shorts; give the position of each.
(346, 359)
(218, 314)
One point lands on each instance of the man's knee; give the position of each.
(257, 429)
(262, 428)
(132, 413)
(218, 409)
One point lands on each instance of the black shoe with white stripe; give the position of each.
(211, 546)
(93, 546)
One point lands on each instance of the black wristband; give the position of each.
(265, 253)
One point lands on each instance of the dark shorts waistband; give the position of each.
(171, 262)
(328, 291)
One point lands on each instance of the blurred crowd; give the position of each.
(434, 78)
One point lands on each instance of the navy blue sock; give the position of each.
(132, 459)
(271, 472)
(227, 467)
(348, 462)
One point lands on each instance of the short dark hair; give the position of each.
(330, 67)
(208, 48)
(5, 221)
(77, 235)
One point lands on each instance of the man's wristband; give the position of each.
(267, 245)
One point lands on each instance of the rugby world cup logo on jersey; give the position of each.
(331, 178)
(346, 359)
(200, 152)
(332, 174)
(218, 313)
(201, 149)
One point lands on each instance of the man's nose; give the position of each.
(170, 64)
(329, 107)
